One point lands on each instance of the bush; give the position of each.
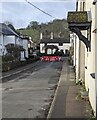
(7, 58)
(14, 49)
(71, 54)
(12, 64)
(9, 62)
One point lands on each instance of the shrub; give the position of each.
(14, 49)
(7, 58)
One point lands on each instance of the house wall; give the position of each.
(86, 70)
(81, 65)
(18, 40)
(88, 59)
(1, 44)
(41, 48)
(25, 46)
(22, 54)
(79, 52)
(49, 51)
(82, 61)
(96, 49)
(9, 39)
(77, 58)
(64, 47)
(3, 50)
(1, 39)
(74, 39)
(91, 83)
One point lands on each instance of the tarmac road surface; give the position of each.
(29, 94)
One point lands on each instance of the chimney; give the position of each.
(41, 36)
(52, 35)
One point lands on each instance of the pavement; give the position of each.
(66, 103)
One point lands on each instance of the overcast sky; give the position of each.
(20, 13)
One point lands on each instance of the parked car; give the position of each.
(34, 54)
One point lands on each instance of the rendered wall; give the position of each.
(64, 47)
(41, 48)
(25, 46)
(90, 57)
(9, 39)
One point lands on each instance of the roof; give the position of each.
(55, 40)
(24, 37)
(51, 46)
(4, 29)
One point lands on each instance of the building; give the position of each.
(50, 45)
(85, 37)
(7, 36)
(24, 42)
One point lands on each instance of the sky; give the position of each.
(20, 13)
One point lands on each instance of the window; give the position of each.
(60, 44)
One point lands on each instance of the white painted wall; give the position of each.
(96, 63)
(77, 58)
(4, 40)
(65, 46)
(90, 82)
(18, 40)
(42, 50)
(9, 39)
(86, 70)
(1, 39)
(49, 51)
(1, 44)
(25, 46)
(96, 50)
(22, 58)
(74, 39)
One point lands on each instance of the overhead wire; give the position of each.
(39, 9)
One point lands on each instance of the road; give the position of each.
(29, 94)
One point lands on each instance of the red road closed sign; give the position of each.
(50, 58)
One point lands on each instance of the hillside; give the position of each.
(58, 27)
(30, 32)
